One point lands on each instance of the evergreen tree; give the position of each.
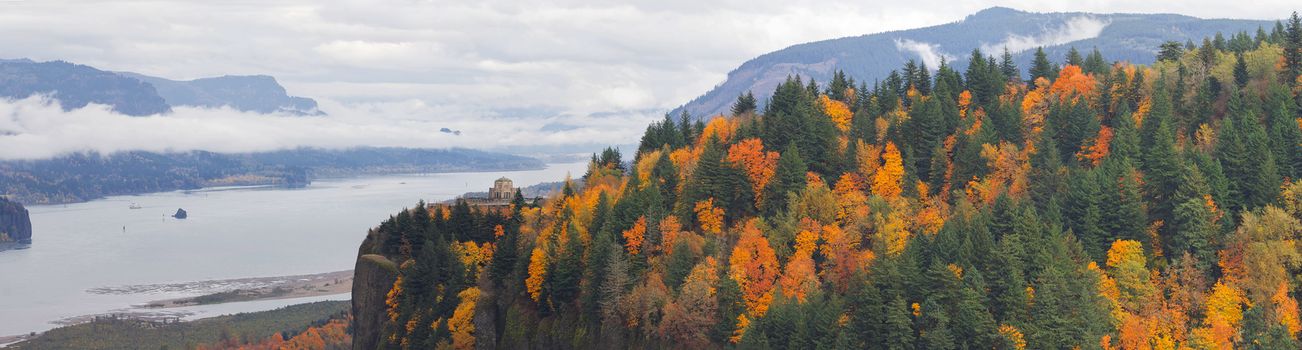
(1083, 213)
(935, 327)
(1240, 71)
(1293, 49)
(1009, 68)
(788, 178)
(1074, 58)
(925, 132)
(1193, 229)
(1040, 66)
(898, 329)
(1160, 163)
(1170, 51)
(1095, 64)
(745, 104)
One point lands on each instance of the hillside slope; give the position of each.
(1123, 37)
(75, 86)
(250, 93)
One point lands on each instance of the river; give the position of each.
(230, 233)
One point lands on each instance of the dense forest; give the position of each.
(1081, 205)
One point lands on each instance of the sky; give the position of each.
(509, 73)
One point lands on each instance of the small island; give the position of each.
(180, 214)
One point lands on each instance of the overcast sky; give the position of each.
(488, 60)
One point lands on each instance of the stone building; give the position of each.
(502, 190)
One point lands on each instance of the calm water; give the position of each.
(231, 233)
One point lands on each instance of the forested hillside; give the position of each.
(1127, 37)
(86, 176)
(1094, 206)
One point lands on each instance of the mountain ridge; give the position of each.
(1123, 37)
(77, 85)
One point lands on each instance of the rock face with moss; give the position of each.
(15, 225)
(372, 278)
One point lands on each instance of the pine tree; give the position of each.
(1074, 58)
(1123, 207)
(1247, 158)
(745, 104)
(1009, 68)
(1040, 66)
(935, 327)
(1285, 135)
(1084, 215)
(788, 178)
(1170, 51)
(1193, 226)
(1095, 64)
(898, 329)
(1293, 49)
(1160, 163)
(925, 132)
(1240, 71)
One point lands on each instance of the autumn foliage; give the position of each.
(1096, 206)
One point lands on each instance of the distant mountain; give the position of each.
(1119, 37)
(75, 86)
(250, 93)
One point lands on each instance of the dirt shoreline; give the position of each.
(271, 288)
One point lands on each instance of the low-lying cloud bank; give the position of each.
(928, 52)
(1075, 29)
(34, 128)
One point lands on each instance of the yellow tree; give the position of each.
(758, 165)
(851, 203)
(844, 259)
(754, 265)
(838, 111)
(1258, 256)
(1072, 84)
(710, 217)
(1094, 153)
(886, 182)
(537, 271)
(460, 324)
(669, 231)
(688, 320)
(1223, 314)
(634, 236)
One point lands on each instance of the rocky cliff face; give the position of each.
(372, 278)
(249, 93)
(15, 225)
(75, 86)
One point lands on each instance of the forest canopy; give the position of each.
(1071, 204)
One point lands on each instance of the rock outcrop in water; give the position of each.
(180, 214)
(15, 225)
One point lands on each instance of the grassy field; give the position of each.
(241, 328)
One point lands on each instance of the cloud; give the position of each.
(1074, 29)
(447, 62)
(35, 128)
(930, 53)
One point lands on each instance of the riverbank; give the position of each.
(113, 332)
(232, 233)
(258, 288)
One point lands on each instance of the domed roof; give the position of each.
(503, 179)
